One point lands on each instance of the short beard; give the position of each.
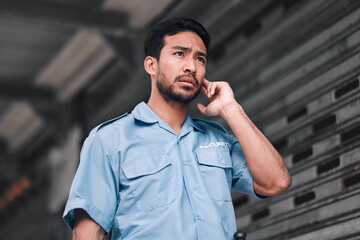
(170, 95)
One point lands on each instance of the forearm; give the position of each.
(267, 167)
(91, 234)
(265, 164)
(85, 228)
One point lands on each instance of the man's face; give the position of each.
(181, 67)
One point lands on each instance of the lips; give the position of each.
(188, 80)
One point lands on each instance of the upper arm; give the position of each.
(96, 185)
(85, 227)
(242, 178)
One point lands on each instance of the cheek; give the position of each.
(166, 73)
(201, 72)
(169, 68)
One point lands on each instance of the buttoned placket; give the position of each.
(191, 185)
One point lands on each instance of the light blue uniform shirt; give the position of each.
(138, 176)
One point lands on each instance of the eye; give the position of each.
(179, 53)
(201, 59)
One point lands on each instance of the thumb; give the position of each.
(201, 108)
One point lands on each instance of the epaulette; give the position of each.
(110, 121)
(213, 124)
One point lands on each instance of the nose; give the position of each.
(189, 65)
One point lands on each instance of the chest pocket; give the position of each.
(216, 170)
(151, 181)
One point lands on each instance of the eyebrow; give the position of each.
(188, 49)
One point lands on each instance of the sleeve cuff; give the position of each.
(246, 185)
(260, 196)
(69, 214)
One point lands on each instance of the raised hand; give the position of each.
(269, 172)
(221, 96)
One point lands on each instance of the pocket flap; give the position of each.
(145, 165)
(214, 157)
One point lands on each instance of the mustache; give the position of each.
(187, 76)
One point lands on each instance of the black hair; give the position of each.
(154, 41)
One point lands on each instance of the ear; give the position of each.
(150, 65)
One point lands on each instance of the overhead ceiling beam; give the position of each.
(8, 166)
(124, 50)
(42, 99)
(17, 92)
(69, 15)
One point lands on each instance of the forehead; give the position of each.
(185, 39)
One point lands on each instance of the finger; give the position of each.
(209, 86)
(206, 82)
(204, 90)
(213, 89)
(201, 108)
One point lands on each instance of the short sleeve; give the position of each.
(242, 179)
(95, 187)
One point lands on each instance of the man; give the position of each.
(159, 174)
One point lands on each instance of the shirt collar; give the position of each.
(142, 112)
(193, 124)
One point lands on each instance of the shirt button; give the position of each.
(191, 190)
(198, 217)
(187, 163)
(222, 161)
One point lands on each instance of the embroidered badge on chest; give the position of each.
(216, 144)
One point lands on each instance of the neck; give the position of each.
(173, 113)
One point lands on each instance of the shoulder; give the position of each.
(111, 122)
(108, 132)
(209, 125)
(103, 127)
